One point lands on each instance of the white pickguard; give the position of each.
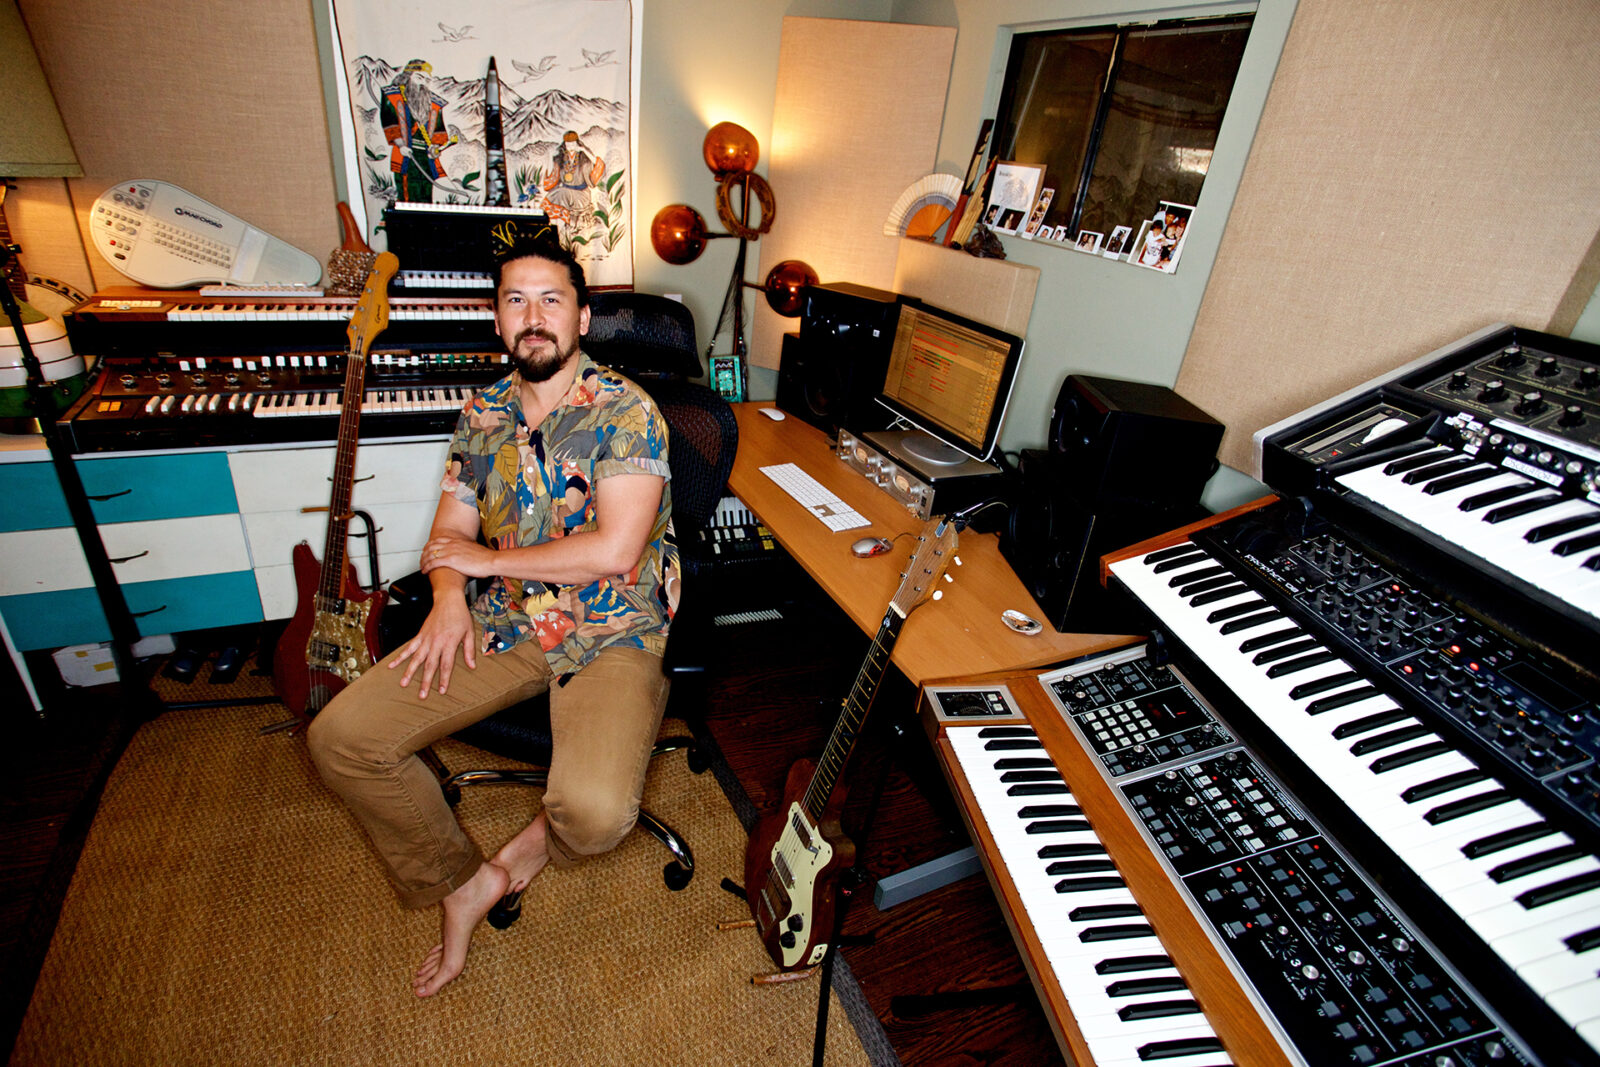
(800, 863)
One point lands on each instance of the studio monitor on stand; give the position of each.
(1054, 538)
(830, 373)
(1132, 441)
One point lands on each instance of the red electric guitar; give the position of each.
(333, 636)
(795, 857)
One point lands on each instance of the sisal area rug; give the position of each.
(227, 910)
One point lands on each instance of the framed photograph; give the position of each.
(1089, 241)
(1014, 191)
(1036, 216)
(1064, 234)
(1117, 244)
(1163, 240)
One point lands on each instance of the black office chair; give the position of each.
(642, 335)
(704, 438)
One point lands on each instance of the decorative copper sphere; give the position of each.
(731, 147)
(784, 286)
(678, 234)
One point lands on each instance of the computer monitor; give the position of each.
(951, 378)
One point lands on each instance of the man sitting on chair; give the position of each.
(562, 468)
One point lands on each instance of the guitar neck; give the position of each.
(330, 586)
(847, 729)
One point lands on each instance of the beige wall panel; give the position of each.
(994, 291)
(1421, 170)
(856, 120)
(223, 99)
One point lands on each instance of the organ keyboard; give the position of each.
(1362, 748)
(181, 370)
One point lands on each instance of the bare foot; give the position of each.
(525, 855)
(463, 910)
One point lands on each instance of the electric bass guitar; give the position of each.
(333, 636)
(796, 856)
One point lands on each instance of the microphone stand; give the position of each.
(124, 632)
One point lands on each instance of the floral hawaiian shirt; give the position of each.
(531, 485)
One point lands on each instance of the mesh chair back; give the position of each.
(641, 334)
(705, 438)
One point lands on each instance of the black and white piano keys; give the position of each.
(1517, 523)
(1524, 887)
(1129, 1001)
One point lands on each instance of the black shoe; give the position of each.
(184, 664)
(230, 661)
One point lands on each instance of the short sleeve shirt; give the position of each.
(535, 484)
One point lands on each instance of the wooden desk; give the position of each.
(957, 635)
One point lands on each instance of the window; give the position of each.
(1121, 117)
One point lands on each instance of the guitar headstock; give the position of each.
(372, 308)
(936, 548)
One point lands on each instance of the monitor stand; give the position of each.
(923, 446)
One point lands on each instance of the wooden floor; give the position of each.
(940, 972)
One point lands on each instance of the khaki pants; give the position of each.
(604, 722)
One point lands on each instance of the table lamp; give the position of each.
(39, 374)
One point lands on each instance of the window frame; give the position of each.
(1009, 48)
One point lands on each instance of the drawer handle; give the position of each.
(125, 559)
(111, 496)
(152, 611)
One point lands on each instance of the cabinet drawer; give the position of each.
(175, 548)
(55, 618)
(197, 603)
(137, 488)
(291, 479)
(30, 497)
(280, 598)
(42, 561)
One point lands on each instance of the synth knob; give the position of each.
(1459, 380)
(1494, 391)
(1511, 357)
(1572, 415)
(1531, 403)
(1589, 377)
(1548, 367)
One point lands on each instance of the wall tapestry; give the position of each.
(421, 104)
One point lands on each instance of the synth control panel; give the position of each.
(1345, 975)
(1534, 713)
(1528, 401)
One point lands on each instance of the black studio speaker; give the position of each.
(1132, 441)
(1054, 538)
(830, 374)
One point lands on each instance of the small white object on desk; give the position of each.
(772, 413)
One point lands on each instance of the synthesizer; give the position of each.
(1356, 768)
(182, 370)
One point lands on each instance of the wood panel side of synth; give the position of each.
(1229, 1009)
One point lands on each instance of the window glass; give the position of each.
(1123, 118)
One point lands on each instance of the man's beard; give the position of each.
(535, 367)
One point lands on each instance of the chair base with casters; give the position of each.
(676, 874)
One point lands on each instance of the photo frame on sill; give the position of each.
(1014, 191)
(1116, 245)
(1089, 241)
(1163, 241)
(1036, 216)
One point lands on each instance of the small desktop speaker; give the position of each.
(1132, 441)
(831, 372)
(1054, 538)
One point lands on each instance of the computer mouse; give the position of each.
(870, 546)
(772, 413)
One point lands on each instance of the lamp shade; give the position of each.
(730, 147)
(785, 286)
(678, 234)
(33, 141)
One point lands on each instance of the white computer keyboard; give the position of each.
(812, 495)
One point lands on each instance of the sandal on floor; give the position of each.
(230, 661)
(184, 664)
